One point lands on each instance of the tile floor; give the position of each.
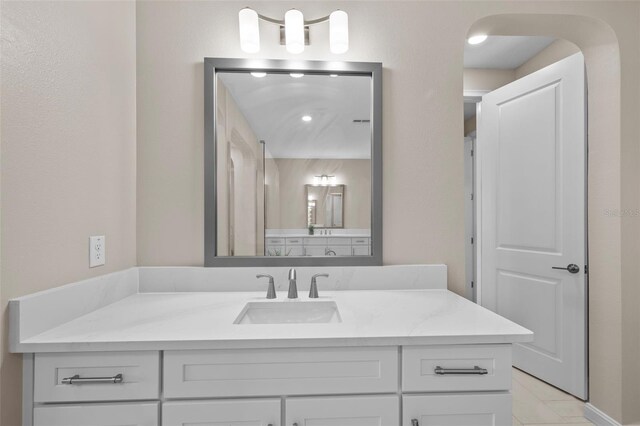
(536, 403)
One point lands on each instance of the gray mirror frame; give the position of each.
(213, 65)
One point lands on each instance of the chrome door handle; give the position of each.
(93, 380)
(572, 268)
(414, 422)
(475, 370)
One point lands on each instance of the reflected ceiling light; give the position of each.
(338, 32)
(294, 30)
(306, 118)
(296, 74)
(259, 74)
(333, 75)
(477, 39)
(249, 30)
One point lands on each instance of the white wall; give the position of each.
(68, 130)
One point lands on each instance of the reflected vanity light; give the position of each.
(324, 180)
(333, 75)
(296, 74)
(294, 30)
(477, 39)
(259, 74)
(306, 118)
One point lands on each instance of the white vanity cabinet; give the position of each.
(339, 245)
(453, 385)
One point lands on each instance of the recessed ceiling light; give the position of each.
(258, 74)
(306, 118)
(333, 75)
(296, 74)
(477, 39)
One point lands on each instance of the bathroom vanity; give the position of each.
(158, 346)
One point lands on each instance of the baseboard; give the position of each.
(599, 418)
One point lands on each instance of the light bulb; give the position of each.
(296, 74)
(306, 118)
(294, 31)
(249, 30)
(338, 32)
(477, 39)
(259, 74)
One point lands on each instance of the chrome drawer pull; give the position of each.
(78, 380)
(475, 370)
(414, 422)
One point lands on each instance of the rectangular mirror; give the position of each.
(292, 163)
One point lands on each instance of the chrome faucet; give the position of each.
(293, 288)
(313, 291)
(329, 252)
(271, 291)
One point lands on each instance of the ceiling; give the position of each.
(504, 52)
(274, 106)
(501, 52)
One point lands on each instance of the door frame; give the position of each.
(475, 96)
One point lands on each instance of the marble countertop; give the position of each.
(205, 320)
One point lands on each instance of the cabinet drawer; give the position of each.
(299, 371)
(140, 376)
(343, 411)
(360, 241)
(419, 365)
(276, 241)
(339, 241)
(261, 412)
(294, 241)
(315, 241)
(482, 409)
(143, 414)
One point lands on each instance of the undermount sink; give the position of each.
(293, 312)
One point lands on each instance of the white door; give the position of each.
(481, 409)
(343, 411)
(264, 412)
(531, 141)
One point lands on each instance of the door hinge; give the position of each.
(472, 153)
(586, 269)
(471, 284)
(471, 197)
(471, 240)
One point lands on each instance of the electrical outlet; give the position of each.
(97, 250)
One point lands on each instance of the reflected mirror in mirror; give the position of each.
(293, 157)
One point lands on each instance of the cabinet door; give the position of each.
(482, 409)
(360, 251)
(97, 415)
(341, 411)
(264, 412)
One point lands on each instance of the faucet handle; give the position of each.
(313, 291)
(271, 291)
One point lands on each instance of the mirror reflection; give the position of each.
(293, 164)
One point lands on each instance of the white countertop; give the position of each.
(318, 236)
(204, 320)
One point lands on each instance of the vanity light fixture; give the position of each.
(477, 39)
(324, 180)
(296, 74)
(259, 74)
(306, 118)
(294, 30)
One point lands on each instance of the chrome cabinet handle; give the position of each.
(84, 380)
(414, 422)
(475, 370)
(572, 268)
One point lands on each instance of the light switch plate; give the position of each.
(97, 249)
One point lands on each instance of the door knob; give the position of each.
(572, 268)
